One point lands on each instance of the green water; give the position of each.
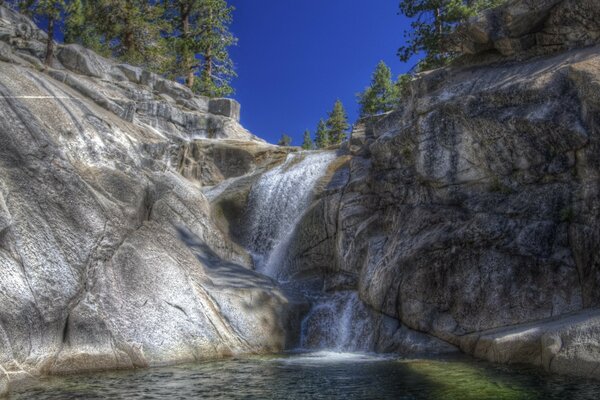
(320, 375)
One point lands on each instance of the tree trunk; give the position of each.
(208, 61)
(438, 21)
(50, 43)
(188, 59)
(128, 41)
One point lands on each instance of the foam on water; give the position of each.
(277, 201)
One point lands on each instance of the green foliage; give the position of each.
(382, 95)
(42, 8)
(285, 140)
(307, 143)
(337, 123)
(403, 85)
(182, 39)
(79, 29)
(130, 30)
(210, 42)
(432, 21)
(322, 135)
(51, 10)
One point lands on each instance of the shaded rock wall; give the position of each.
(474, 207)
(522, 28)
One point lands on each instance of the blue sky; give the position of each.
(295, 58)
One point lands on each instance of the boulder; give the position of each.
(567, 345)
(226, 107)
(521, 28)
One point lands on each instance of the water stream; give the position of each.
(337, 321)
(277, 202)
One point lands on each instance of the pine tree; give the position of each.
(212, 43)
(307, 143)
(337, 124)
(184, 18)
(51, 11)
(285, 140)
(382, 95)
(432, 21)
(79, 27)
(322, 135)
(131, 30)
(403, 85)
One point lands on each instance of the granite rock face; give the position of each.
(525, 28)
(475, 206)
(109, 257)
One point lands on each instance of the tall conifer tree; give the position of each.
(214, 40)
(382, 95)
(51, 11)
(307, 143)
(322, 135)
(337, 124)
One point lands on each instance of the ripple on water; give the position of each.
(319, 375)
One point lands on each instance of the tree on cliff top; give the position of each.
(201, 38)
(337, 123)
(132, 30)
(285, 140)
(382, 95)
(433, 20)
(51, 10)
(307, 142)
(322, 135)
(216, 67)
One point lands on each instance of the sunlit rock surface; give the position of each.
(109, 257)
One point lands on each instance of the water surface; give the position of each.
(322, 375)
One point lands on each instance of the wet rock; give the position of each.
(209, 162)
(566, 345)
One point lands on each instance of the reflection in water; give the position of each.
(322, 375)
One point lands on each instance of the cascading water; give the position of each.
(277, 202)
(340, 322)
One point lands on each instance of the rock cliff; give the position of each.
(472, 213)
(110, 257)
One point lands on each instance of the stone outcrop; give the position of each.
(475, 206)
(531, 27)
(210, 162)
(109, 257)
(568, 344)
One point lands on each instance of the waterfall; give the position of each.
(276, 203)
(340, 322)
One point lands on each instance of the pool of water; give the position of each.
(322, 375)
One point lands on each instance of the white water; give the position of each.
(277, 202)
(337, 322)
